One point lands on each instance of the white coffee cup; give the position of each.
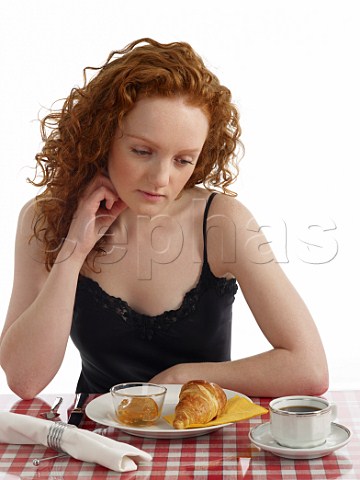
(301, 421)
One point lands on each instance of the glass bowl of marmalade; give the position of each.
(138, 404)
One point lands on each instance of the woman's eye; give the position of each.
(183, 161)
(141, 153)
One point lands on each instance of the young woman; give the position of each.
(136, 246)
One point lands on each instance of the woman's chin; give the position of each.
(139, 209)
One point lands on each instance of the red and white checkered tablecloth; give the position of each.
(224, 454)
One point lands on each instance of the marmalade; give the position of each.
(138, 411)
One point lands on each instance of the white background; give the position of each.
(293, 68)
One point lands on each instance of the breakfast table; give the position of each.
(225, 453)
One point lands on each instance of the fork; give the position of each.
(52, 413)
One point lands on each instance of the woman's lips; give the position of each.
(151, 195)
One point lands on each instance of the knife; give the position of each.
(78, 411)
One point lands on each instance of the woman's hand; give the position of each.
(184, 372)
(97, 209)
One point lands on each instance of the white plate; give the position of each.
(101, 410)
(262, 438)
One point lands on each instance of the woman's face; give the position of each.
(155, 152)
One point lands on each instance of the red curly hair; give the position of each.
(78, 137)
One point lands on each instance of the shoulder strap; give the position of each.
(208, 203)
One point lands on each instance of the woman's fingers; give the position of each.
(118, 207)
(100, 197)
(98, 208)
(111, 208)
(99, 181)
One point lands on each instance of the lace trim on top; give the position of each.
(121, 308)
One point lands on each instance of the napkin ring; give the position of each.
(55, 434)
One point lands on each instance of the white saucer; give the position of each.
(262, 438)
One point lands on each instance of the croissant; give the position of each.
(199, 402)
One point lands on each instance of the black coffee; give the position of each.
(300, 409)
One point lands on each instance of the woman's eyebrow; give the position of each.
(147, 140)
(140, 137)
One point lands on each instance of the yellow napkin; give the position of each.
(237, 408)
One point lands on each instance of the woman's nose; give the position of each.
(159, 174)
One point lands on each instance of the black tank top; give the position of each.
(118, 344)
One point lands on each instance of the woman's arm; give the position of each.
(297, 362)
(38, 321)
(40, 312)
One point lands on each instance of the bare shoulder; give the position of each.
(235, 240)
(27, 246)
(230, 207)
(26, 217)
(231, 215)
(25, 240)
(29, 269)
(223, 206)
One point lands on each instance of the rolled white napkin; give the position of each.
(81, 444)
